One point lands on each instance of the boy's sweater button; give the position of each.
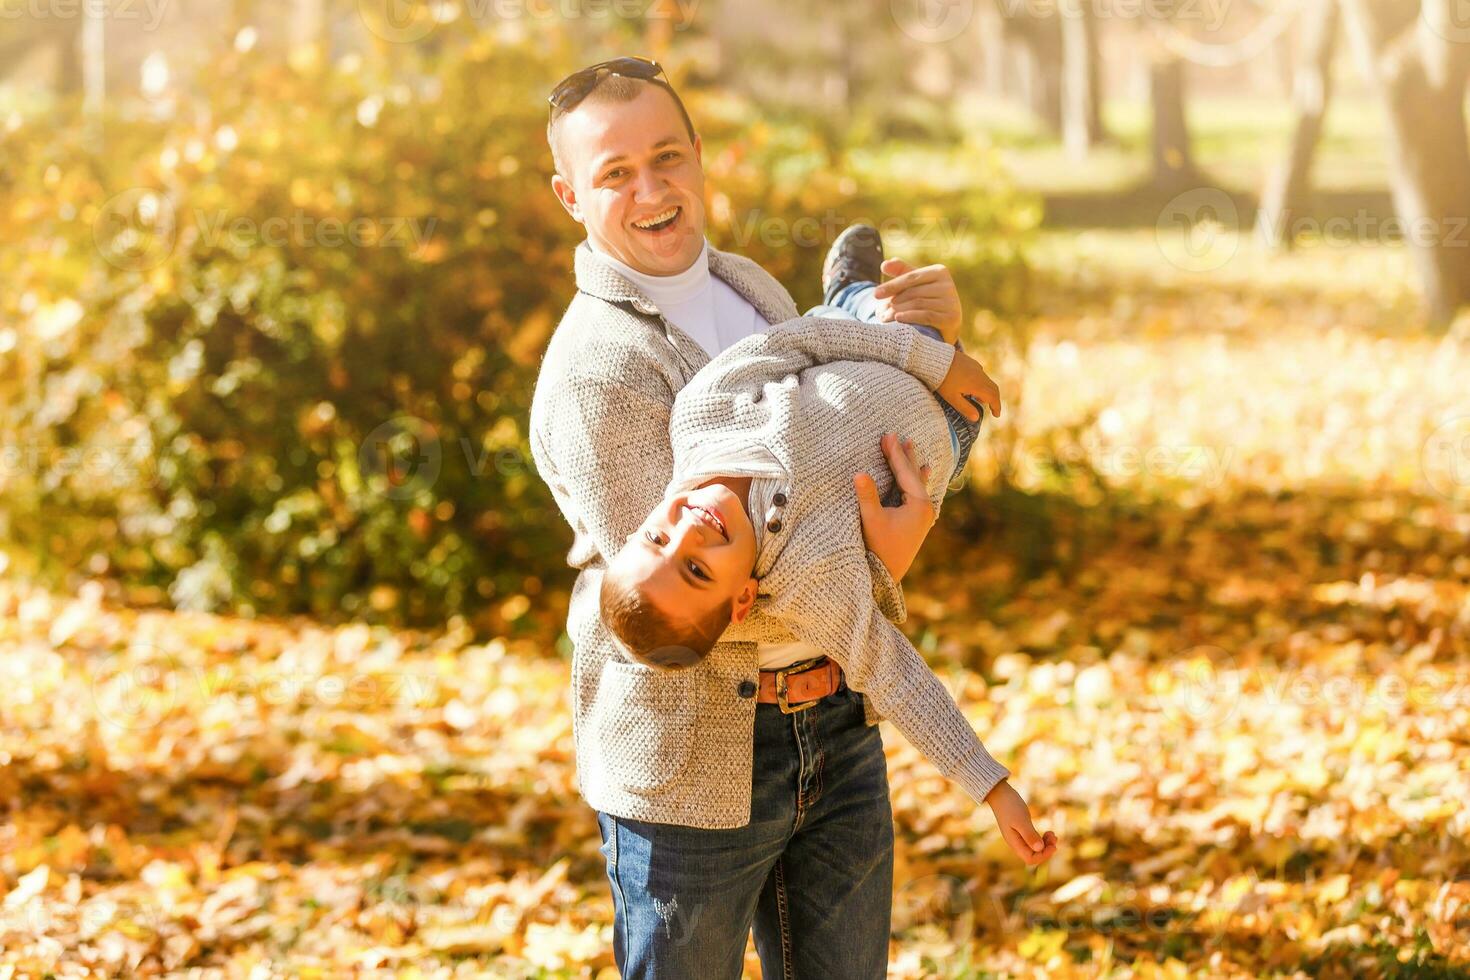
(779, 500)
(747, 689)
(774, 527)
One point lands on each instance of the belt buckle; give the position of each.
(798, 668)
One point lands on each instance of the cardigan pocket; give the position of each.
(643, 724)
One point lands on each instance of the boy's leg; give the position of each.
(855, 301)
(850, 272)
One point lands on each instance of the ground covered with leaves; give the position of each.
(1236, 683)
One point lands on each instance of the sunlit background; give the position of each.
(282, 596)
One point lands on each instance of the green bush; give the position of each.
(274, 350)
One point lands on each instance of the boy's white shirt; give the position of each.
(716, 316)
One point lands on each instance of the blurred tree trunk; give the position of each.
(69, 77)
(307, 24)
(242, 13)
(1040, 39)
(658, 28)
(1287, 189)
(92, 44)
(1081, 94)
(992, 50)
(1061, 68)
(1420, 65)
(21, 37)
(849, 71)
(1173, 157)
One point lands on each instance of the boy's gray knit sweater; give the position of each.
(819, 394)
(676, 747)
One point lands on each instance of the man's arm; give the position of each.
(602, 447)
(832, 609)
(895, 534)
(927, 296)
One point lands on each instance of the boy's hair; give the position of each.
(612, 88)
(653, 637)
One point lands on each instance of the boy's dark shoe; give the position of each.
(856, 256)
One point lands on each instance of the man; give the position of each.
(714, 815)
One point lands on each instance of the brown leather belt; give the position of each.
(801, 685)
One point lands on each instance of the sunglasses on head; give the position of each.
(576, 86)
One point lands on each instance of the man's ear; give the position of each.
(698, 150)
(567, 195)
(744, 600)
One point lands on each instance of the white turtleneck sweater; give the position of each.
(702, 305)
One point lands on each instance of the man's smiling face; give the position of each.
(635, 180)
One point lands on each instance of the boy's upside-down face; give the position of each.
(694, 552)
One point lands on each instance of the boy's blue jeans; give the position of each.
(812, 871)
(856, 301)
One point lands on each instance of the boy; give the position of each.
(765, 437)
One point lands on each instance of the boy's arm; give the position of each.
(602, 447)
(831, 607)
(887, 593)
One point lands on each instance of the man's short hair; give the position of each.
(651, 635)
(612, 88)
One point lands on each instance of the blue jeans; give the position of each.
(812, 871)
(855, 301)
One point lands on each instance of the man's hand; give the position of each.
(895, 534)
(967, 377)
(1014, 819)
(927, 296)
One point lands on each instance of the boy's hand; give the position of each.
(895, 534)
(927, 296)
(1014, 819)
(967, 377)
